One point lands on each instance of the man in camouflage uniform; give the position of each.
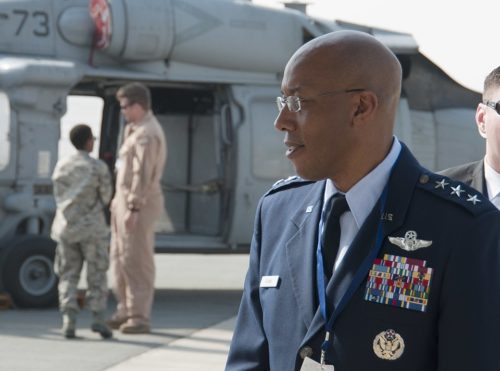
(137, 204)
(82, 189)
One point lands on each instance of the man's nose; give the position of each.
(284, 121)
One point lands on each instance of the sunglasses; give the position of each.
(494, 105)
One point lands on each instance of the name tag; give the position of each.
(269, 281)
(311, 365)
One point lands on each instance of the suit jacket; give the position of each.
(459, 328)
(471, 174)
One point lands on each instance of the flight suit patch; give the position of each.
(399, 281)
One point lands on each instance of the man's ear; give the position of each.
(366, 105)
(481, 120)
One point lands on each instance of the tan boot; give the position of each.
(99, 325)
(135, 328)
(115, 322)
(69, 323)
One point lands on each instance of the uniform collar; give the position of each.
(362, 197)
(144, 119)
(83, 153)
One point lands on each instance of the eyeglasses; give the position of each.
(494, 105)
(294, 103)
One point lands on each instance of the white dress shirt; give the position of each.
(492, 184)
(361, 199)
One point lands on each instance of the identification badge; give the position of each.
(269, 281)
(311, 365)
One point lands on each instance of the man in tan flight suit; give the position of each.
(137, 204)
(82, 189)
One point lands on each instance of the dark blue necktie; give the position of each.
(331, 234)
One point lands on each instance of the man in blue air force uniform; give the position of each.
(414, 281)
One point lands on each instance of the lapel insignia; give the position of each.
(409, 242)
(388, 345)
(399, 281)
(387, 216)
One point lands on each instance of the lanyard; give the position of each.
(358, 277)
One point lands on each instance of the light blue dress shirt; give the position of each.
(361, 199)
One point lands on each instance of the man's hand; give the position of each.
(131, 220)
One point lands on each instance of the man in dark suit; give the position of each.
(484, 175)
(410, 282)
(471, 174)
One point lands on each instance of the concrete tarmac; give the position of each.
(196, 300)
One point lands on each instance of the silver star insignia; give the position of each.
(410, 241)
(457, 190)
(473, 199)
(441, 184)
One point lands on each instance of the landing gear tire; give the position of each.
(28, 273)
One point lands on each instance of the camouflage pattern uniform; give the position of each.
(139, 171)
(82, 189)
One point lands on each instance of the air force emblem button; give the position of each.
(409, 242)
(388, 345)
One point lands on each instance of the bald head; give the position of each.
(352, 59)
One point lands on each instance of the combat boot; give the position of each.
(99, 325)
(69, 323)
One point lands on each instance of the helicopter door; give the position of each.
(261, 157)
(192, 178)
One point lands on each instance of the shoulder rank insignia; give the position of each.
(290, 182)
(388, 345)
(409, 242)
(283, 181)
(455, 192)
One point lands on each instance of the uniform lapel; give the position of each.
(478, 181)
(401, 185)
(301, 249)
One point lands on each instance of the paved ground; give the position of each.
(205, 349)
(196, 300)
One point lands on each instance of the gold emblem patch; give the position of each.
(388, 345)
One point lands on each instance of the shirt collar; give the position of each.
(83, 153)
(492, 181)
(363, 196)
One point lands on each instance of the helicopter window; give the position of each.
(182, 101)
(4, 130)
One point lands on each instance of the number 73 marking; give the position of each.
(42, 18)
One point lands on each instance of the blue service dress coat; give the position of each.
(447, 317)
